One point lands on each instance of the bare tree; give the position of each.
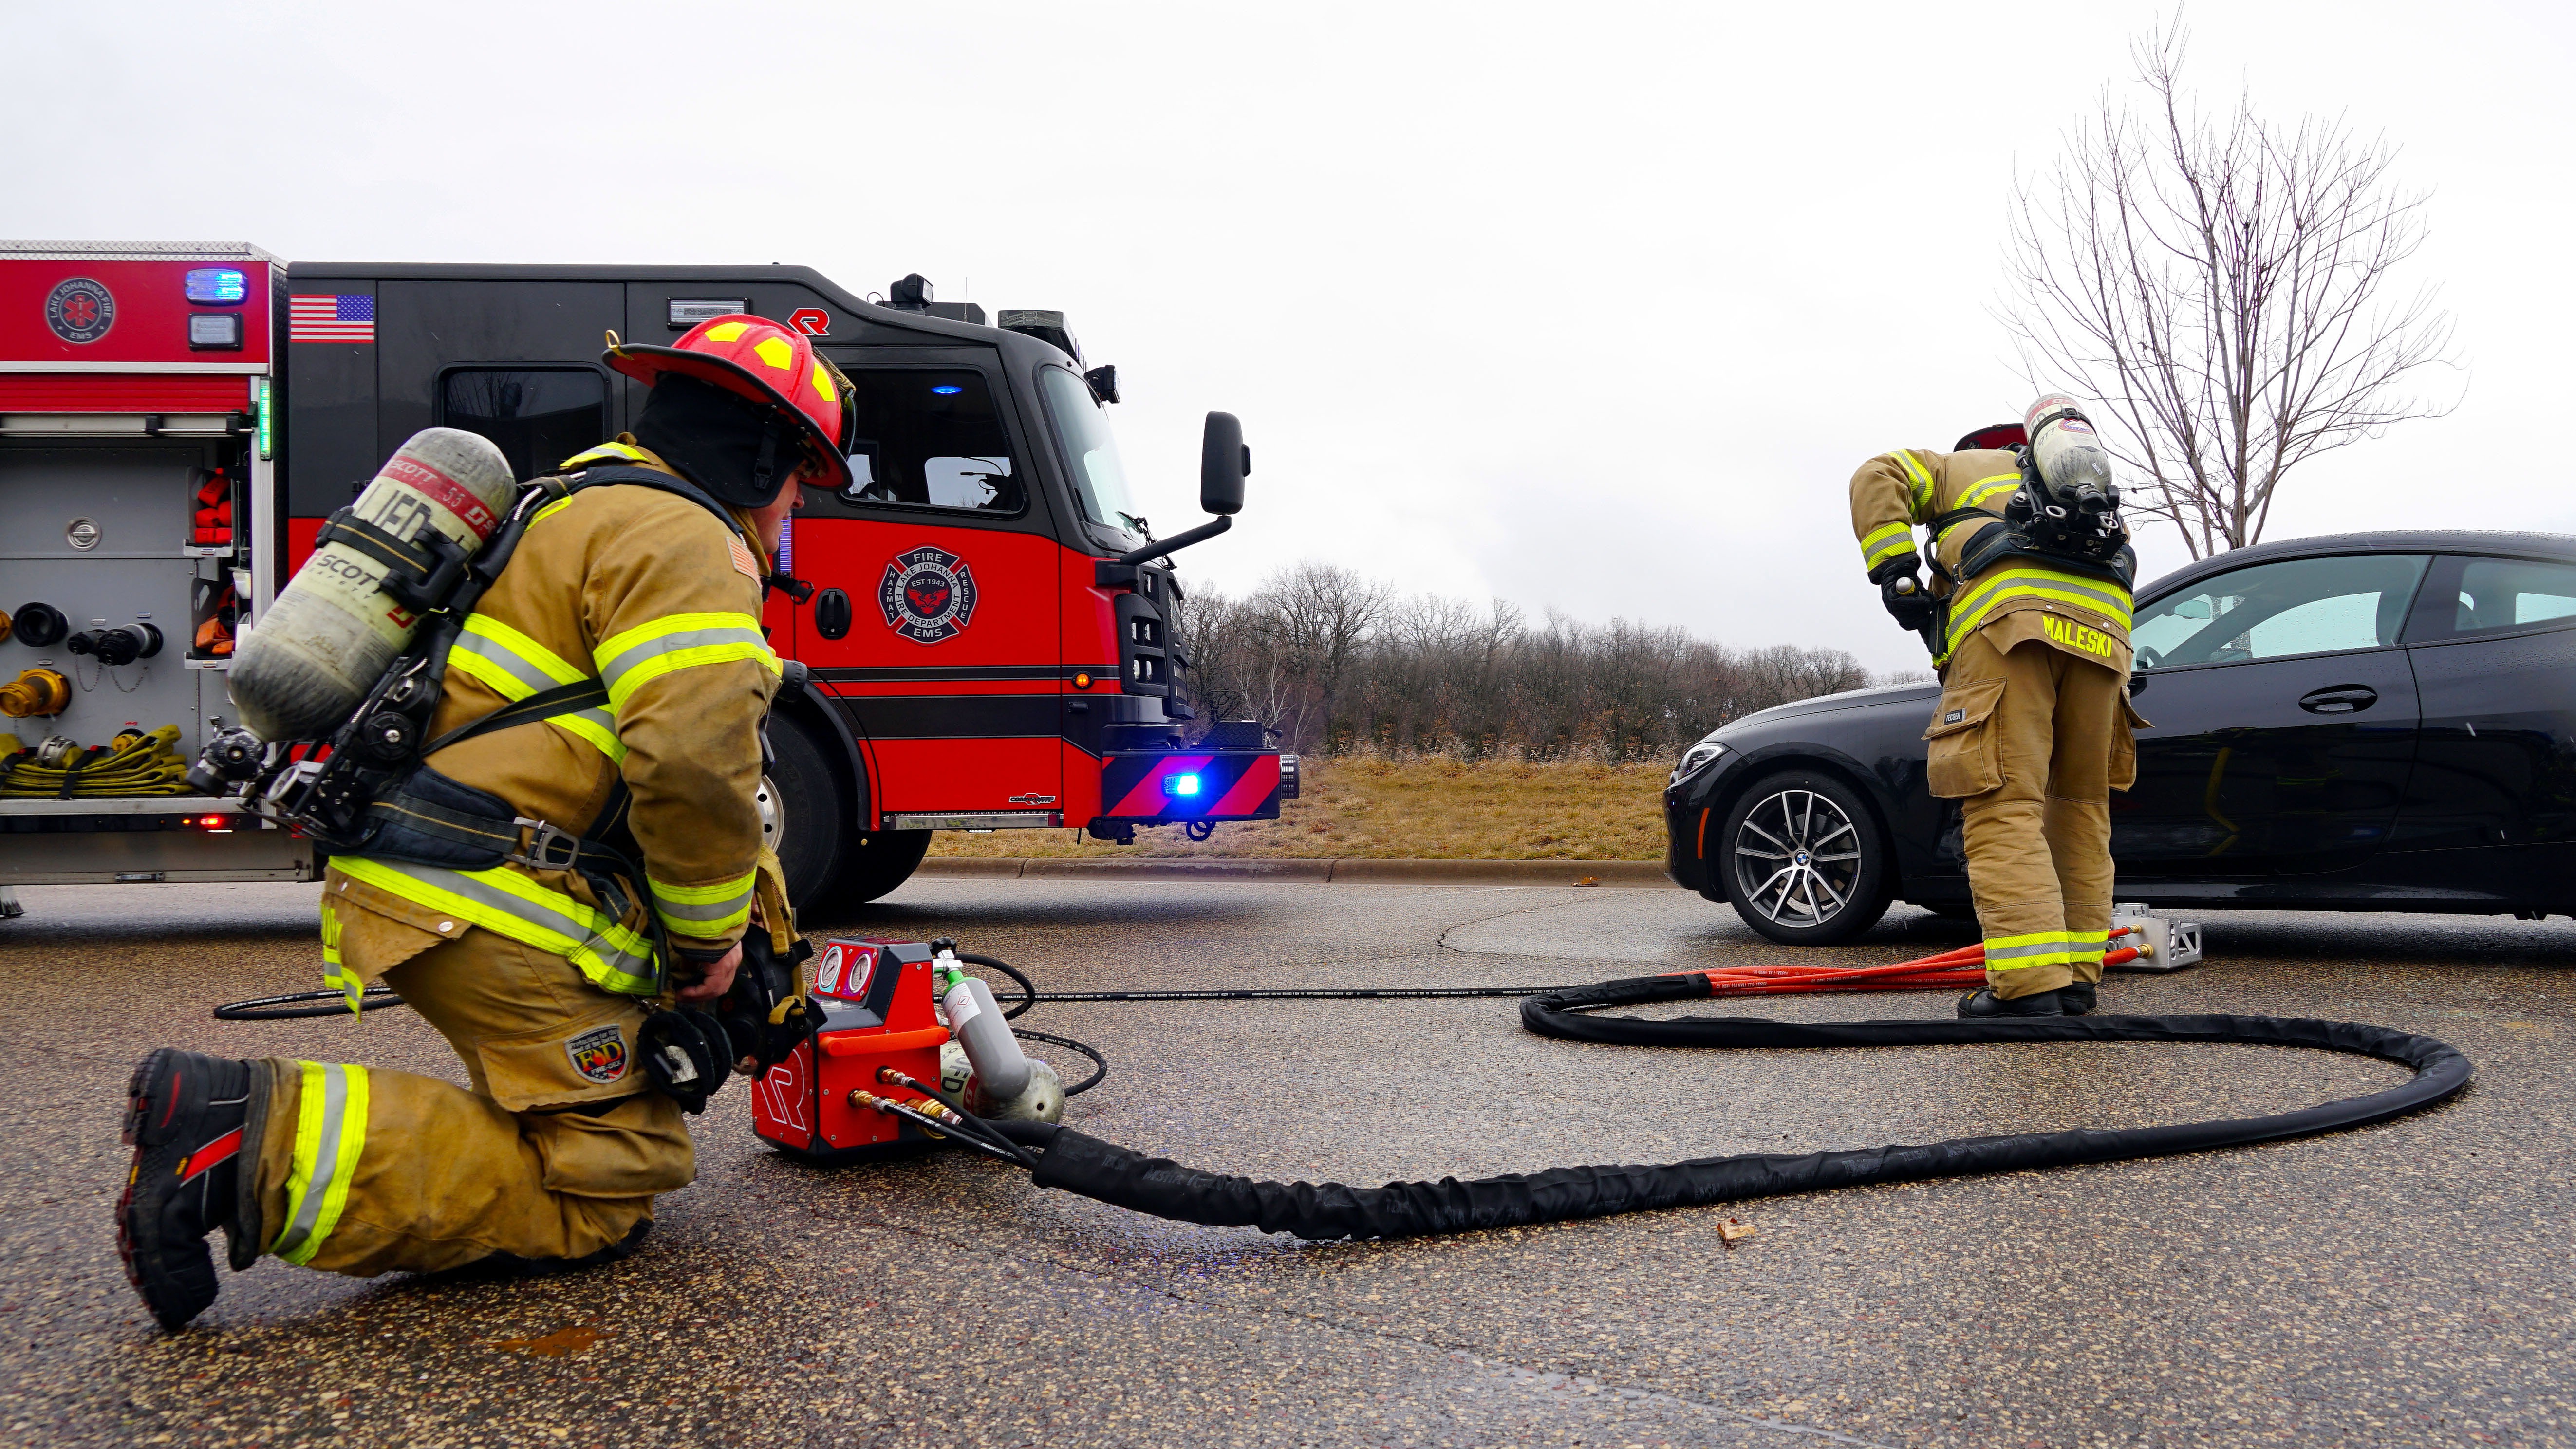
(2222, 284)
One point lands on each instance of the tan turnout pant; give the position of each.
(2031, 740)
(556, 1152)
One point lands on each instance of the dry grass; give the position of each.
(1429, 809)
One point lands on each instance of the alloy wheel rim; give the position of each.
(1797, 858)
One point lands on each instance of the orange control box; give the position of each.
(877, 1001)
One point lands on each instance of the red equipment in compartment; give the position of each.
(877, 1000)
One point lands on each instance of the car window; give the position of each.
(930, 437)
(2499, 593)
(2274, 610)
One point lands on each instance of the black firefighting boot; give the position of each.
(186, 1115)
(1983, 1002)
(2077, 998)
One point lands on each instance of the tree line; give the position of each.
(1338, 663)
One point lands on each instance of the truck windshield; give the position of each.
(1097, 474)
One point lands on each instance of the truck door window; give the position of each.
(1098, 476)
(933, 439)
(537, 416)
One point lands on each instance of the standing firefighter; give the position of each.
(2028, 622)
(629, 867)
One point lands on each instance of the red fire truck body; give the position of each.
(986, 645)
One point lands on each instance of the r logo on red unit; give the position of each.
(928, 595)
(80, 310)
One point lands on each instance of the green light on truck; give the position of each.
(259, 401)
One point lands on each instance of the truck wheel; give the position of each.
(803, 813)
(1802, 860)
(876, 863)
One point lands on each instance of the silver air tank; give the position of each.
(313, 656)
(2071, 461)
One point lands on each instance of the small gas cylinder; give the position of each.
(313, 656)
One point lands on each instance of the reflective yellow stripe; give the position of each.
(710, 911)
(2041, 948)
(1923, 485)
(604, 451)
(503, 901)
(632, 659)
(1985, 488)
(335, 975)
(492, 634)
(2099, 596)
(512, 664)
(330, 1135)
(1886, 542)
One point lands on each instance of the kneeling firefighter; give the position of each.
(2028, 623)
(577, 854)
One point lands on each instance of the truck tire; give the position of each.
(1802, 860)
(806, 814)
(876, 862)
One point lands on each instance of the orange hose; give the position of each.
(1964, 967)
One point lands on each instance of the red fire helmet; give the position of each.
(770, 364)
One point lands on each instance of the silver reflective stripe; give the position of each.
(527, 675)
(502, 900)
(326, 1157)
(644, 652)
(2035, 948)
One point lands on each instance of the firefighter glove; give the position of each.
(687, 1055)
(1906, 600)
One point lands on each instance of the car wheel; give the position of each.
(1802, 860)
(803, 814)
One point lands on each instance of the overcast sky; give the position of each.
(1593, 307)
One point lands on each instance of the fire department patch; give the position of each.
(928, 595)
(599, 1054)
(80, 310)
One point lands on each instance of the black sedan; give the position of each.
(2381, 722)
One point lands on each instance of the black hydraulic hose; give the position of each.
(1099, 1063)
(1113, 1174)
(305, 1003)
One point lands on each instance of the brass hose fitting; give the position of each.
(35, 693)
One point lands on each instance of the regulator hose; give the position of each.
(1082, 1164)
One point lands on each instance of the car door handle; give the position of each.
(2340, 699)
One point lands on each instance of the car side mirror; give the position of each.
(1223, 462)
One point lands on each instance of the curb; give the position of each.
(1626, 874)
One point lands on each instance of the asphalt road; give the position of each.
(2405, 1284)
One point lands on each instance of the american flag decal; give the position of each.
(327, 318)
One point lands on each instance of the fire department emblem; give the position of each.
(80, 310)
(599, 1054)
(928, 595)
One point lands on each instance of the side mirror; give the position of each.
(1223, 462)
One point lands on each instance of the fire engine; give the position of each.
(986, 643)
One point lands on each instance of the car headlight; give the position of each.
(1696, 759)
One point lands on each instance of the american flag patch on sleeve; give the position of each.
(742, 558)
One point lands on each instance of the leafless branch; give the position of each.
(2226, 288)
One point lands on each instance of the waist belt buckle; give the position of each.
(544, 841)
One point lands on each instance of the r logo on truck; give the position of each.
(80, 310)
(928, 595)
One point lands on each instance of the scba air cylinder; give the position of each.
(2067, 452)
(311, 659)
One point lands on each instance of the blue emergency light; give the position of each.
(1180, 784)
(217, 287)
(948, 389)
